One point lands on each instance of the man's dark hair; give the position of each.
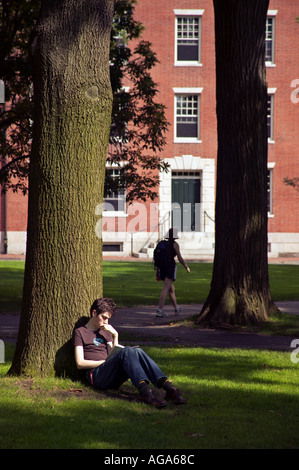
(103, 305)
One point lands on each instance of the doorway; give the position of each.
(186, 199)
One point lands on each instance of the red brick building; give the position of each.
(182, 35)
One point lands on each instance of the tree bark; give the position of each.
(240, 292)
(73, 100)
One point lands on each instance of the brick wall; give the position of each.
(158, 18)
(284, 152)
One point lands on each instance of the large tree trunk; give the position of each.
(73, 99)
(240, 292)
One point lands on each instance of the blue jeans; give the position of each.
(129, 363)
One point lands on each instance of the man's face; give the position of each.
(101, 319)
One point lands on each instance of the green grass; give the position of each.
(11, 285)
(282, 324)
(284, 281)
(236, 399)
(134, 283)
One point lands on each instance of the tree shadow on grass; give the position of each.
(215, 417)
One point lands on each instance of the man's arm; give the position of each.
(82, 363)
(178, 253)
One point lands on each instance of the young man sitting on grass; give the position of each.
(94, 340)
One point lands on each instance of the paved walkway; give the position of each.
(281, 260)
(142, 322)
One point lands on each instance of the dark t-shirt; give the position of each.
(94, 342)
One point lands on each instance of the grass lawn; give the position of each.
(134, 283)
(236, 399)
(11, 285)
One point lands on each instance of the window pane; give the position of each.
(187, 115)
(187, 130)
(188, 38)
(115, 200)
(269, 39)
(187, 52)
(270, 191)
(270, 117)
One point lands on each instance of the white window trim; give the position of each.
(271, 91)
(187, 12)
(271, 166)
(207, 166)
(190, 63)
(115, 213)
(273, 14)
(186, 91)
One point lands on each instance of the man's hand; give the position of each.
(113, 331)
(110, 328)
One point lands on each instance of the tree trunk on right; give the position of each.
(240, 292)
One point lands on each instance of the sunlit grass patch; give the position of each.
(235, 399)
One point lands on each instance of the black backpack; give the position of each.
(161, 254)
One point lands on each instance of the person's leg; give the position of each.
(135, 364)
(140, 367)
(109, 375)
(166, 285)
(128, 363)
(158, 378)
(172, 297)
(138, 364)
(165, 290)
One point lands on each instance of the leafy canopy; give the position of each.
(138, 124)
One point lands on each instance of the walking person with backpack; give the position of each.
(164, 259)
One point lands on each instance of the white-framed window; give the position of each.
(188, 37)
(270, 189)
(187, 114)
(270, 114)
(270, 38)
(115, 201)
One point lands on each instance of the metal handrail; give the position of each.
(205, 214)
(157, 226)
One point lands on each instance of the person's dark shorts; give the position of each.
(169, 272)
